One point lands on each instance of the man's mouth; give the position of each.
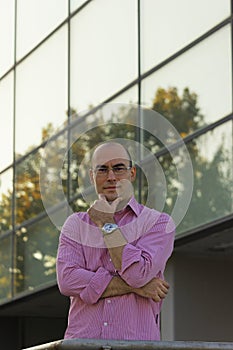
(111, 188)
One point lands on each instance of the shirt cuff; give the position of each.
(97, 285)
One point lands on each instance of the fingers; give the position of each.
(156, 298)
(102, 196)
(159, 296)
(165, 287)
(161, 290)
(162, 294)
(162, 283)
(117, 201)
(165, 284)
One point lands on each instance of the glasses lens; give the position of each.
(118, 170)
(101, 171)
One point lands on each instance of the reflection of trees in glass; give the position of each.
(5, 211)
(181, 111)
(27, 187)
(36, 246)
(36, 253)
(212, 192)
(5, 268)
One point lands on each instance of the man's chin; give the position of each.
(111, 197)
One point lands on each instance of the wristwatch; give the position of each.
(109, 228)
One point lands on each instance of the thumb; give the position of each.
(117, 201)
(102, 196)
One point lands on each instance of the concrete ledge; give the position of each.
(96, 344)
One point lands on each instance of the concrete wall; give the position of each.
(200, 302)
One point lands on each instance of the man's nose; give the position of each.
(111, 175)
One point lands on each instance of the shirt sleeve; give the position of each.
(72, 277)
(147, 258)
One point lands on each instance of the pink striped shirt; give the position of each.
(84, 270)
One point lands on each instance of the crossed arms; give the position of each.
(138, 271)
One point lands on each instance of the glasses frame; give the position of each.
(108, 169)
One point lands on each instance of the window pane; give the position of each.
(6, 190)
(41, 92)
(5, 267)
(6, 121)
(103, 55)
(129, 96)
(53, 173)
(39, 177)
(213, 177)
(36, 247)
(164, 33)
(169, 187)
(27, 187)
(205, 70)
(7, 22)
(35, 20)
(74, 4)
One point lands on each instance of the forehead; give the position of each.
(109, 153)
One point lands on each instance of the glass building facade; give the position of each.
(62, 64)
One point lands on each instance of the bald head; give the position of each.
(109, 151)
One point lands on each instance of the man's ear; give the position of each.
(91, 175)
(133, 173)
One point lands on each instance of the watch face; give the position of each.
(108, 228)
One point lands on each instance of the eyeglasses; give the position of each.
(118, 170)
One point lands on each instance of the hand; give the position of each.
(102, 211)
(156, 289)
(125, 189)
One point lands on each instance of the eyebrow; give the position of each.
(114, 166)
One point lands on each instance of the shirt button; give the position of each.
(105, 323)
(110, 259)
(109, 301)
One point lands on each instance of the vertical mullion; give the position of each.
(232, 80)
(139, 52)
(139, 121)
(232, 54)
(69, 131)
(13, 214)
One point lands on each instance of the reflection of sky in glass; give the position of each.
(74, 4)
(169, 25)
(104, 57)
(129, 96)
(6, 35)
(222, 136)
(205, 69)
(103, 51)
(35, 20)
(6, 121)
(41, 91)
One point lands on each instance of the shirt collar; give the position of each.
(134, 205)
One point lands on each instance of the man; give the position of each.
(111, 259)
